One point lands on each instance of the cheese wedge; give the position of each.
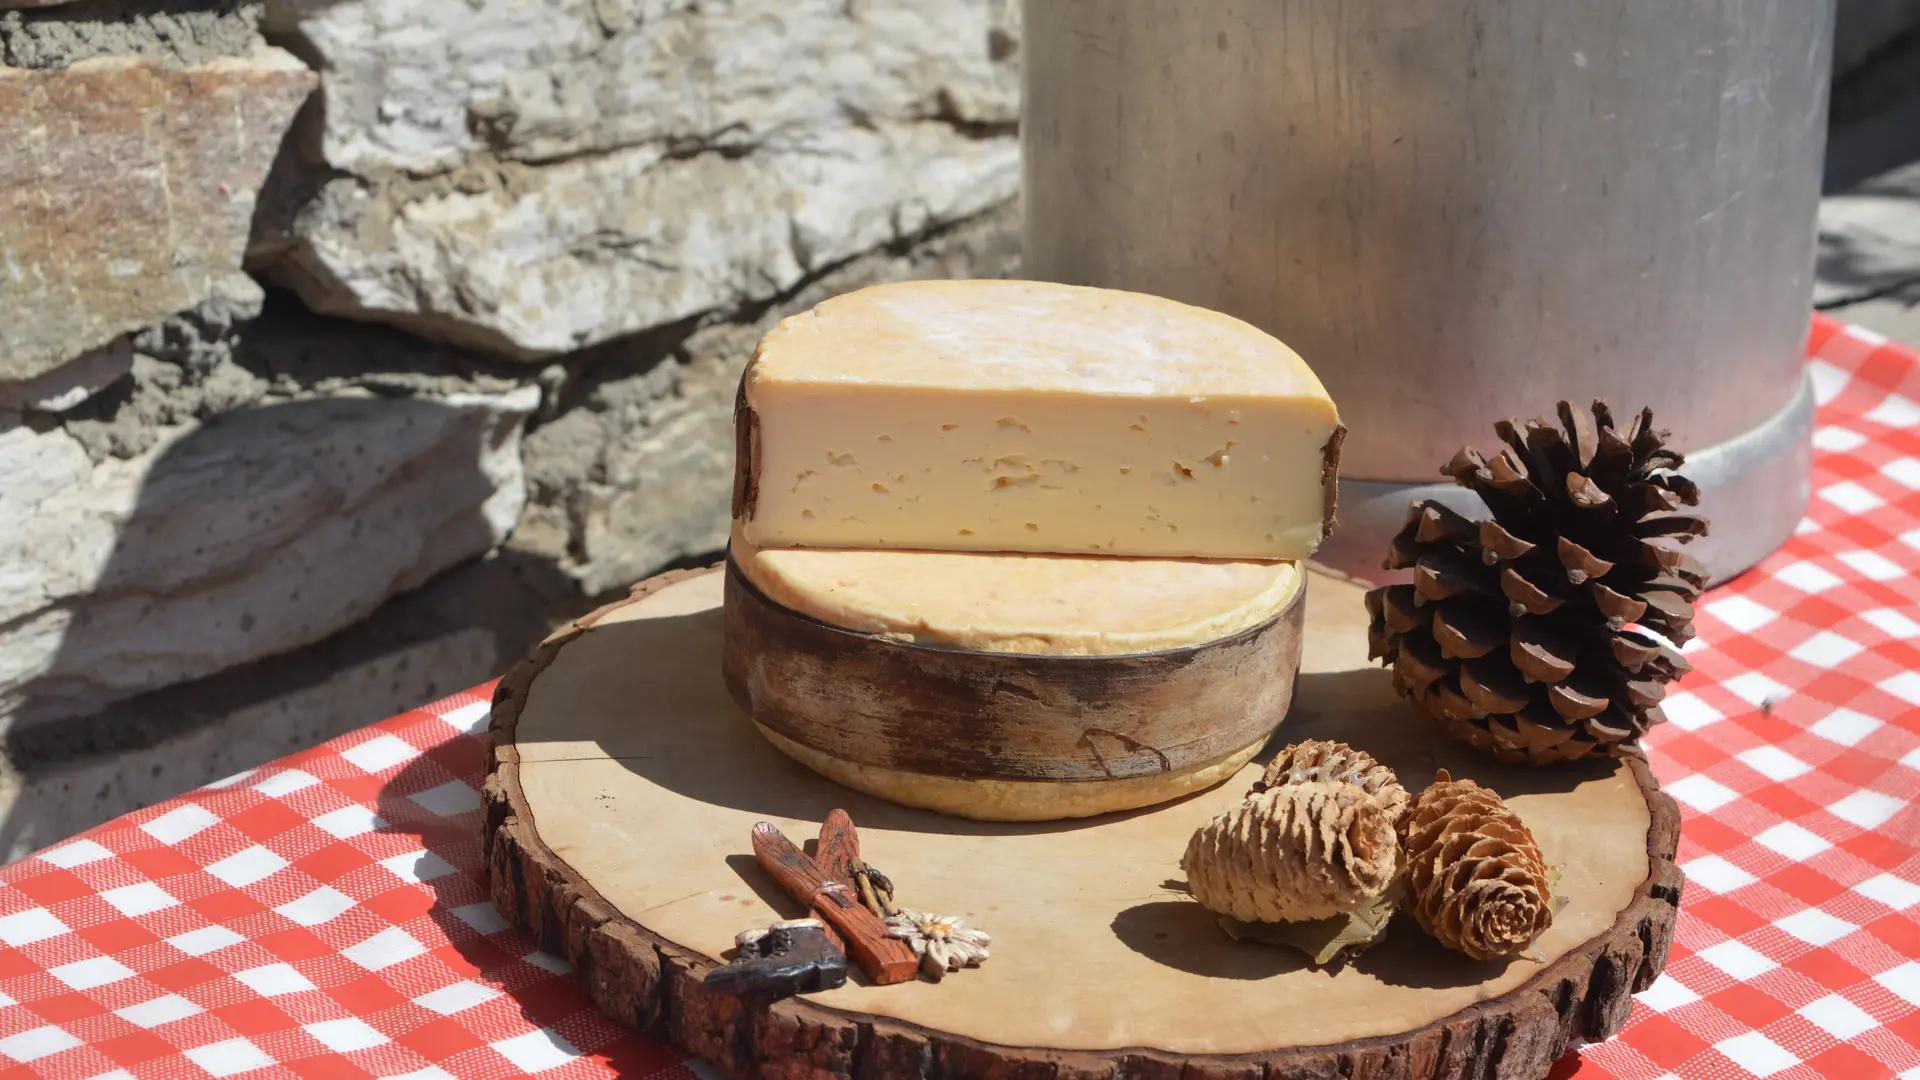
(1032, 417)
(1058, 605)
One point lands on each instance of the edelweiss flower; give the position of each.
(942, 942)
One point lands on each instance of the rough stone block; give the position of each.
(242, 537)
(1869, 239)
(463, 627)
(63, 387)
(1864, 27)
(174, 33)
(537, 179)
(126, 192)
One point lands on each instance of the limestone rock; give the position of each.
(1863, 28)
(460, 629)
(71, 383)
(126, 192)
(1869, 240)
(39, 807)
(246, 536)
(175, 33)
(537, 179)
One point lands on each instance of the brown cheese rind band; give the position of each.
(746, 450)
(1330, 478)
(1005, 716)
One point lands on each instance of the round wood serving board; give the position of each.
(624, 783)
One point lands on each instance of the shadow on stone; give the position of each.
(198, 630)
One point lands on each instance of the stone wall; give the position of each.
(350, 344)
(1865, 29)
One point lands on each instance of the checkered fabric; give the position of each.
(327, 915)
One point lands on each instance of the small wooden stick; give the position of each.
(885, 959)
(839, 851)
(839, 857)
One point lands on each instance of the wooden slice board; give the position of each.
(624, 783)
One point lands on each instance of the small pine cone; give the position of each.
(1299, 851)
(1324, 761)
(1475, 878)
(1521, 634)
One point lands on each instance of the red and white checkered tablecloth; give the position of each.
(327, 915)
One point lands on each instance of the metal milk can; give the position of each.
(1460, 211)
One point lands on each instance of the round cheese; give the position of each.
(1058, 605)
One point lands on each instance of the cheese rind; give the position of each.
(1014, 800)
(1032, 417)
(1058, 605)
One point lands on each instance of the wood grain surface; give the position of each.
(644, 979)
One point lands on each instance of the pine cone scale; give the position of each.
(1419, 659)
(1541, 654)
(1494, 687)
(1579, 560)
(1400, 608)
(1499, 544)
(1466, 630)
(1574, 705)
(1529, 597)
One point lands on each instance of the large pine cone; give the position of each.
(1297, 851)
(1324, 761)
(1518, 634)
(1475, 878)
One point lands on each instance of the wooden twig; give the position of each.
(886, 960)
(839, 850)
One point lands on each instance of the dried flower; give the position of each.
(942, 942)
(1329, 942)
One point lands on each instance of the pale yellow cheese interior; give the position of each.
(1067, 605)
(1027, 416)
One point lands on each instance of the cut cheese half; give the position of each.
(1032, 417)
(1060, 605)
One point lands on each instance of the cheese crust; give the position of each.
(1014, 800)
(1059, 605)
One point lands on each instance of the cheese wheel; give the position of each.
(1056, 605)
(1030, 416)
(985, 610)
